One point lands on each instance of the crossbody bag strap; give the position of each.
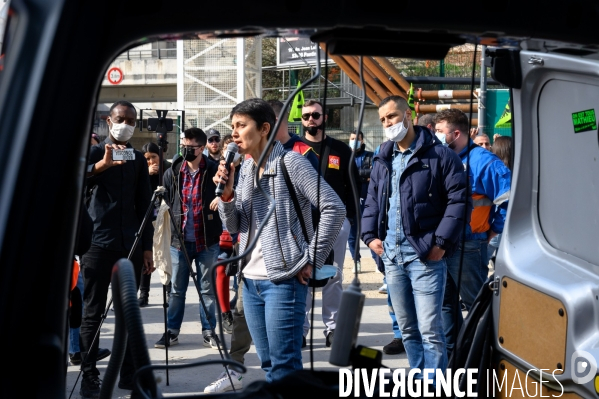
(293, 196)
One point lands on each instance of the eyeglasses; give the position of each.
(190, 147)
(314, 115)
(214, 140)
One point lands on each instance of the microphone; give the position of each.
(232, 149)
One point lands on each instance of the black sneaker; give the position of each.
(395, 347)
(329, 339)
(90, 387)
(228, 322)
(211, 341)
(75, 358)
(102, 353)
(143, 301)
(173, 340)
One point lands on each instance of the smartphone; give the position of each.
(123, 155)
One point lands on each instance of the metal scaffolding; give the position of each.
(211, 80)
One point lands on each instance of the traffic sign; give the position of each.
(115, 75)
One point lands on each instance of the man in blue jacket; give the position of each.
(413, 216)
(489, 180)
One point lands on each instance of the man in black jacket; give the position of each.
(120, 195)
(189, 192)
(336, 169)
(363, 161)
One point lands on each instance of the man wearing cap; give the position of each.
(213, 145)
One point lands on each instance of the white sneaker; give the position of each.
(222, 384)
(383, 289)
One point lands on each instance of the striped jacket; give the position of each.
(284, 248)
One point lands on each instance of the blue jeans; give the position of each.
(275, 314)
(470, 284)
(74, 332)
(180, 279)
(351, 241)
(416, 291)
(394, 325)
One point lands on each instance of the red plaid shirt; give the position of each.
(192, 184)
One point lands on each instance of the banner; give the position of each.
(295, 113)
(411, 101)
(505, 121)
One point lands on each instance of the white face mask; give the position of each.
(443, 139)
(397, 132)
(355, 144)
(121, 131)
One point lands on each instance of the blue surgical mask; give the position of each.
(441, 138)
(353, 145)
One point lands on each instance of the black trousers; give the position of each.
(144, 287)
(96, 266)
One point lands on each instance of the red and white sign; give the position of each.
(115, 75)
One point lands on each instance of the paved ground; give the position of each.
(375, 332)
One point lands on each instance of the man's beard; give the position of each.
(214, 153)
(313, 130)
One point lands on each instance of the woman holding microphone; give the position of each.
(275, 273)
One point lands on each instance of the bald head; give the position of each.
(483, 141)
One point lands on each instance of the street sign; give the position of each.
(297, 51)
(115, 75)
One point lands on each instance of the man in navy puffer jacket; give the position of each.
(413, 218)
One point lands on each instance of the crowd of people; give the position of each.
(417, 192)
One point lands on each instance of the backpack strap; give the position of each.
(293, 195)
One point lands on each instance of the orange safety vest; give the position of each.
(479, 221)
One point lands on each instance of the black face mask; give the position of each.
(313, 130)
(189, 154)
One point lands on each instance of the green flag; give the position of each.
(505, 121)
(295, 114)
(411, 101)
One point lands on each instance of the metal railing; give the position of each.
(158, 53)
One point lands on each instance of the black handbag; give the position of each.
(232, 268)
(329, 261)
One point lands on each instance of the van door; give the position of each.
(546, 306)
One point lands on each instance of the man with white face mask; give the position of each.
(118, 194)
(413, 217)
(490, 183)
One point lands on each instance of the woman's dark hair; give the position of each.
(258, 110)
(502, 147)
(150, 147)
